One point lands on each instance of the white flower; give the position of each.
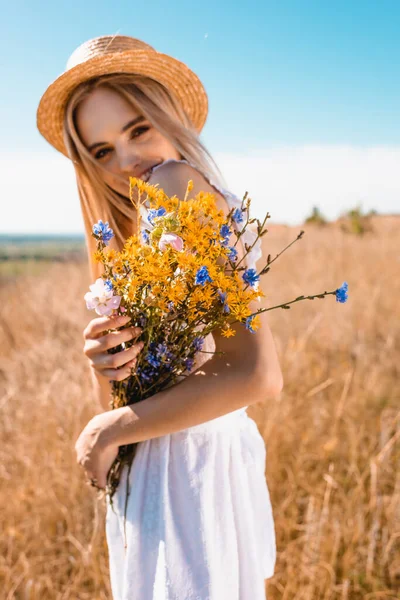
(170, 239)
(101, 298)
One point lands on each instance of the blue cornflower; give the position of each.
(232, 253)
(160, 352)
(103, 232)
(161, 349)
(198, 343)
(108, 285)
(153, 213)
(142, 320)
(341, 293)
(145, 237)
(225, 233)
(153, 360)
(237, 215)
(222, 297)
(189, 362)
(250, 277)
(249, 322)
(202, 276)
(169, 356)
(146, 374)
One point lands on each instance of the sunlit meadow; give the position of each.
(332, 436)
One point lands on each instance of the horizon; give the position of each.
(80, 235)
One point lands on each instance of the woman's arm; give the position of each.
(224, 384)
(247, 372)
(102, 390)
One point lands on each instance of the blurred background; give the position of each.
(304, 115)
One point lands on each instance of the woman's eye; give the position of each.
(139, 130)
(99, 154)
(135, 133)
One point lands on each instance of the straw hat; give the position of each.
(118, 54)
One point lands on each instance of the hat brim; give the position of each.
(173, 74)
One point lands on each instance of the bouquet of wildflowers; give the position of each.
(179, 280)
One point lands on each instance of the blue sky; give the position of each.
(284, 79)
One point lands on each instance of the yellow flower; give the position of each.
(177, 291)
(208, 296)
(186, 261)
(188, 189)
(153, 192)
(162, 304)
(119, 285)
(256, 323)
(98, 256)
(131, 294)
(118, 265)
(228, 332)
(197, 296)
(110, 254)
(223, 281)
(240, 312)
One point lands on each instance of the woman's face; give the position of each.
(122, 141)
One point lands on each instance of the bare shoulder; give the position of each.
(173, 178)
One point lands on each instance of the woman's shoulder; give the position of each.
(173, 175)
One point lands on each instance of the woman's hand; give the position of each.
(94, 454)
(98, 340)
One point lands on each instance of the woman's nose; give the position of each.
(129, 162)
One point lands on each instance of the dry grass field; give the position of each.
(332, 436)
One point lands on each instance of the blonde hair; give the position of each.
(152, 100)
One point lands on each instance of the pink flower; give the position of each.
(170, 239)
(101, 298)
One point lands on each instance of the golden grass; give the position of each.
(333, 435)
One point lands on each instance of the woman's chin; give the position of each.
(124, 192)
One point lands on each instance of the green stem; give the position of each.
(282, 251)
(259, 229)
(286, 304)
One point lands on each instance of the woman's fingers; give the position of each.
(120, 374)
(96, 327)
(104, 360)
(117, 366)
(110, 340)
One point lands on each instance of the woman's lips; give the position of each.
(146, 174)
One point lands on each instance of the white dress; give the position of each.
(199, 522)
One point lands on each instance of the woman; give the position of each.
(199, 523)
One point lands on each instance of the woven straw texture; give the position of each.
(118, 54)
